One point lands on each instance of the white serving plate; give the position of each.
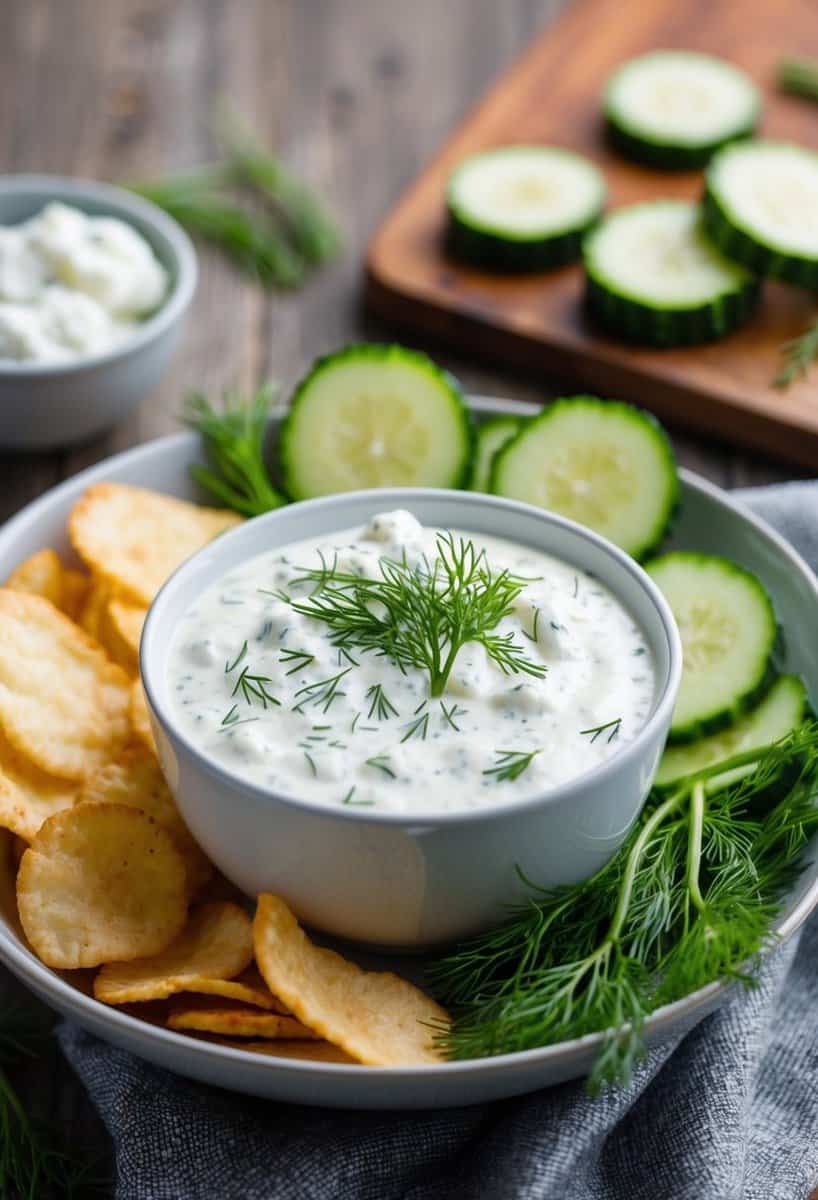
(709, 521)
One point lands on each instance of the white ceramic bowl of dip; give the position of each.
(45, 405)
(396, 878)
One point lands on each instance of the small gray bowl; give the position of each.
(48, 405)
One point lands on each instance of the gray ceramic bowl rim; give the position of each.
(124, 205)
(150, 664)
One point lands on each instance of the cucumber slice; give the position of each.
(491, 436)
(728, 628)
(375, 416)
(604, 464)
(522, 208)
(782, 710)
(673, 108)
(653, 277)
(761, 208)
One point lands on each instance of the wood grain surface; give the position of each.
(357, 95)
(539, 321)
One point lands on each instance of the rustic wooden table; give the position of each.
(356, 94)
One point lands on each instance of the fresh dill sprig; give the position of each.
(417, 729)
(229, 667)
(254, 687)
(33, 1162)
(380, 704)
(323, 693)
(532, 637)
(348, 799)
(798, 356)
(299, 658)
(381, 763)
(420, 616)
(233, 718)
(309, 227)
(798, 76)
(450, 714)
(311, 762)
(233, 439)
(597, 730)
(691, 897)
(511, 763)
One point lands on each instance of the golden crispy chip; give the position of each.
(73, 593)
(134, 538)
(303, 1050)
(378, 1018)
(120, 631)
(40, 575)
(28, 796)
(140, 721)
(92, 610)
(231, 1018)
(136, 779)
(217, 942)
(62, 703)
(101, 883)
(248, 987)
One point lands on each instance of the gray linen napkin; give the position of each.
(730, 1112)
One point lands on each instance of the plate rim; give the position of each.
(70, 999)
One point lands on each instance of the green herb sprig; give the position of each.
(690, 898)
(233, 438)
(798, 76)
(33, 1163)
(420, 616)
(511, 764)
(798, 356)
(252, 208)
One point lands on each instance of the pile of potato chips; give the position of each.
(107, 874)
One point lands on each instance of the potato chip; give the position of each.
(92, 610)
(136, 779)
(377, 1017)
(120, 631)
(28, 796)
(140, 721)
(216, 943)
(101, 883)
(231, 1018)
(73, 593)
(305, 1051)
(134, 538)
(39, 575)
(248, 987)
(62, 703)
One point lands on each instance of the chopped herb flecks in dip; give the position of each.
(402, 668)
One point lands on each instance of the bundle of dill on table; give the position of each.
(252, 207)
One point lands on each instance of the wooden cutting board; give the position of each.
(538, 321)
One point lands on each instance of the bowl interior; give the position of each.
(469, 512)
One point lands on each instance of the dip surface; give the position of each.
(73, 285)
(351, 728)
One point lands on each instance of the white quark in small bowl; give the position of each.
(328, 737)
(95, 283)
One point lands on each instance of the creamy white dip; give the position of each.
(73, 285)
(352, 728)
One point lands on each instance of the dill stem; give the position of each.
(694, 844)
(626, 887)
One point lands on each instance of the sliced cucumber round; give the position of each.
(728, 628)
(653, 277)
(782, 710)
(492, 435)
(522, 208)
(604, 464)
(674, 108)
(761, 208)
(375, 416)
